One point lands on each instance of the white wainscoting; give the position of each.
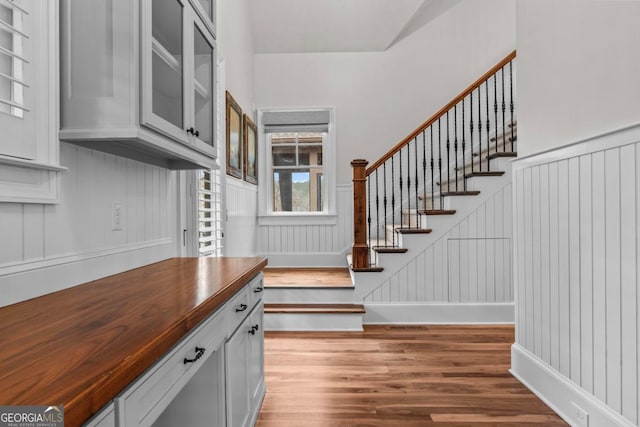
(312, 245)
(242, 211)
(469, 264)
(576, 271)
(46, 248)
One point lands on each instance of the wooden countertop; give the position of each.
(82, 346)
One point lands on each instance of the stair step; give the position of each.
(308, 278)
(500, 154)
(367, 270)
(314, 308)
(460, 193)
(484, 173)
(389, 250)
(403, 230)
(436, 212)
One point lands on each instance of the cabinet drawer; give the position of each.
(105, 418)
(145, 399)
(237, 309)
(256, 289)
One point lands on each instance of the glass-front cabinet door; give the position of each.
(179, 74)
(207, 11)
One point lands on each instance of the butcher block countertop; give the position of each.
(82, 346)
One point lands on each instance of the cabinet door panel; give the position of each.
(256, 355)
(203, 86)
(237, 377)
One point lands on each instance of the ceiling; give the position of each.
(298, 26)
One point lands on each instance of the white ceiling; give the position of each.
(296, 26)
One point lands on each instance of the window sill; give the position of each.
(320, 218)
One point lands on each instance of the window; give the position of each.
(209, 213)
(28, 84)
(297, 166)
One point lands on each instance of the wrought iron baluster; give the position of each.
(393, 204)
(448, 158)
(464, 143)
(377, 212)
(424, 167)
(495, 107)
(384, 201)
(433, 183)
(455, 142)
(408, 184)
(401, 182)
(439, 165)
(511, 102)
(471, 129)
(486, 87)
(504, 109)
(416, 181)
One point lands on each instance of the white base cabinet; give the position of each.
(214, 377)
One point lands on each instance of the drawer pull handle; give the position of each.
(243, 307)
(258, 290)
(193, 132)
(199, 352)
(254, 329)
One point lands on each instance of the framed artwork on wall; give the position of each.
(250, 136)
(234, 138)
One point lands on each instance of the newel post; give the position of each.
(360, 250)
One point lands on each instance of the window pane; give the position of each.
(284, 156)
(310, 155)
(297, 190)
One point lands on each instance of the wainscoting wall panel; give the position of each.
(469, 264)
(311, 244)
(38, 238)
(242, 209)
(576, 261)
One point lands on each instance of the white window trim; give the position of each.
(38, 181)
(266, 216)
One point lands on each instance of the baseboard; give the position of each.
(560, 393)
(312, 322)
(54, 275)
(439, 313)
(309, 259)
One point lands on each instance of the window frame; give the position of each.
(266, 214)
(38, 180)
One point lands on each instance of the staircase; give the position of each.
(413, 196)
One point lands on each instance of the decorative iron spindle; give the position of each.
(504, 109)
(377, 210)
(448, 158)
(455, 141)
(511, 102)
(424, 165)
(471, 130)
(384, 200)
(439, 165)
(393, 205)
(486, 87)
(495, 108)
(480, 126)
(408, 185)
(464, 143)
(401, 204)
(416, 181)
(433, 190)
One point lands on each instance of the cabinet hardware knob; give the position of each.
(252, 331)
(193, 131)
(257, 327)
(243, 307)
(199, 352)
(258, 290)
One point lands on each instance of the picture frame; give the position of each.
(234, 138)
(250, 150)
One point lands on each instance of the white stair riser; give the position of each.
(308, 295)
(313, 322)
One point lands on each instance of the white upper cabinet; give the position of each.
(138, 79)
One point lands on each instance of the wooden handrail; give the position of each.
(440, 113)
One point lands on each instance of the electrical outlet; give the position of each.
(116, 217)
(580, 415)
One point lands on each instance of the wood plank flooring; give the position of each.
(307, 277)
(397, 376)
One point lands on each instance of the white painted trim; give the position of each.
(309, 259)
(312, 322)
(558, 392)
(235, 182)
(601, 142)
(286, 218)
(64, 272)
(439, 313)
(31, 164)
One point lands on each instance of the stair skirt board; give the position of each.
(313, 321)
(559, 393)
(439, 313)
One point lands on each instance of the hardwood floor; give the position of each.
(304, 277)
(397, 376)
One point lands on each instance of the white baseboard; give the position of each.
(313, 322)
(560, 393)
(310, 259)
(439, 313)
(54, 275)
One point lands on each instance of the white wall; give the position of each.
(235, 42)
(576, 208)
(381, 97)
(578, 65)
(51, 247)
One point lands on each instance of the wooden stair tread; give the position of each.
(312, 278)
(461, 193)
(406, 230)
(315, 308)
(500, 154)
(371, 269)
(436, 212)
(389, 250)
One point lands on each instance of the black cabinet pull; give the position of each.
(253, 329)
(257, 327)
(193, 131)
(199, 352)
(243, 307)
(258, 290)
